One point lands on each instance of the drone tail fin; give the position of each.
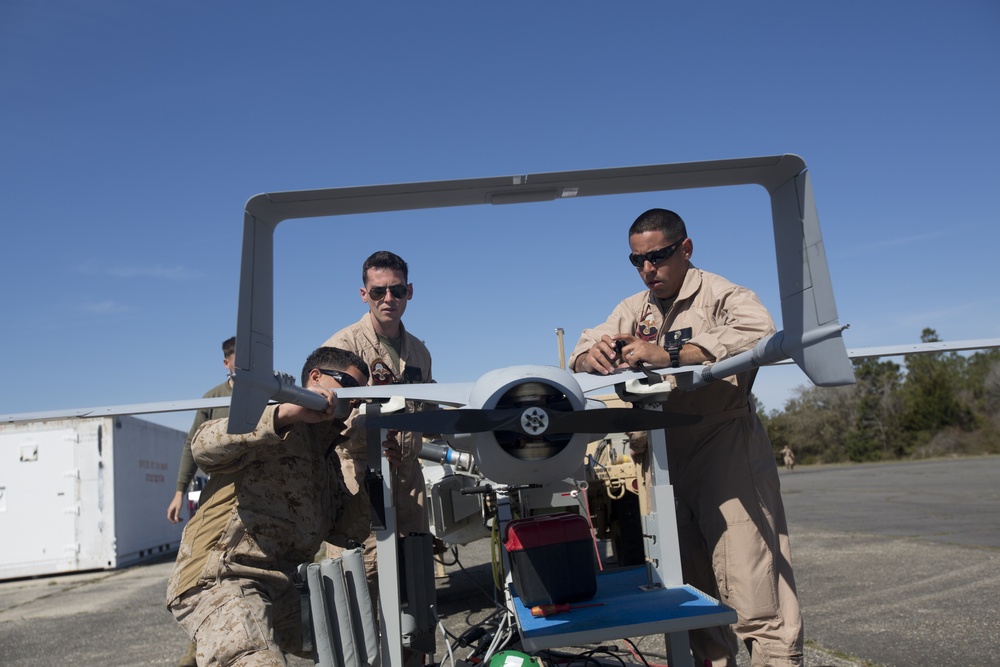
(812, 333)
(250, 397)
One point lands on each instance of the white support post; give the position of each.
(387, 541)
(664, 564)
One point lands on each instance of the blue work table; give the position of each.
(626, 610)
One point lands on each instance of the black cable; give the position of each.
(585, 657)
(636, 651)
(461, 567)
(440, 559)
(602, 650)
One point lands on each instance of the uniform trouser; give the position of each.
(411, 517)
(734, 540)
(236, 622)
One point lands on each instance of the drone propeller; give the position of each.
(532, 421)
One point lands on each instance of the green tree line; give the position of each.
(936, 404)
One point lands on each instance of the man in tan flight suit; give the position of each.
(394, 356)
(731, 520)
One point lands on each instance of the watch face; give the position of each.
(678, 336)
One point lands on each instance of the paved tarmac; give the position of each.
(897, 565)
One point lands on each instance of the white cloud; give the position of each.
(904, 240)
(104, 307)
(157, 271)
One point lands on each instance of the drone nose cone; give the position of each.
(524, 383)
(534, 421)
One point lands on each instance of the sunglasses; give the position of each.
(656, 256)
(378, 293)
(346, 380)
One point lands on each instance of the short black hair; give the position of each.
(383, 259)
(228, 346)
(333, 359)
(660, 220)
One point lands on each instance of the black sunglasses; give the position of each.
(656, 256)
(346, 380)
(378, 293)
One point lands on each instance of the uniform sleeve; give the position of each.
(740, 320)
(187, 467)
(341, 340)
(621, 320)
(215, 450)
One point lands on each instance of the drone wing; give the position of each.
(117, 410)
(446, 393)
(590, 381)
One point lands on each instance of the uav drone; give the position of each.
(529, 425)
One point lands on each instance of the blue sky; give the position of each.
(133, 134)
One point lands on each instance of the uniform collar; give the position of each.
(372, 335)
(690, 287)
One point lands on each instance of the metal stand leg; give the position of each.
(664, 563)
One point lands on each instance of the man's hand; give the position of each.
(290, 413)
(174, 508)
(601, 358)
(392, 450)
(622, 351)
(636, 352)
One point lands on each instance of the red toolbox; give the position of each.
(551, 559)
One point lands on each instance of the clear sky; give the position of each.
(132, 134)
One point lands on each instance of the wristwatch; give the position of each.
(674, 350)
(674, 342)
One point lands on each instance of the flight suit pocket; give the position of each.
(746, 572)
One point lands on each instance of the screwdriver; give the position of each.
(553, 609)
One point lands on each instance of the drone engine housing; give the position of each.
(537, 455)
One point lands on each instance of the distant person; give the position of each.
(393, 356)
(730, 518)
(789, 457)
(187, 468)
(274, 495)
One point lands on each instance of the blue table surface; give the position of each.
(622, 602)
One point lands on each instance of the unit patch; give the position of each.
(648, 328)
(381, 373)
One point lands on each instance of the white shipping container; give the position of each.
(86, 494)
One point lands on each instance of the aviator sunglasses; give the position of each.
(654, 257)
(378, 293)
(346, 380)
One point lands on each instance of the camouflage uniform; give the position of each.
(413, 366)
(187, 467)
(731, 520)
(272, 500)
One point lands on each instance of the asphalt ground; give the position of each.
(896, 564)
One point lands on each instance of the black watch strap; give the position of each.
(675, 355)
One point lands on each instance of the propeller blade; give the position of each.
(533, 421)
(451, 421)
(616, 420)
